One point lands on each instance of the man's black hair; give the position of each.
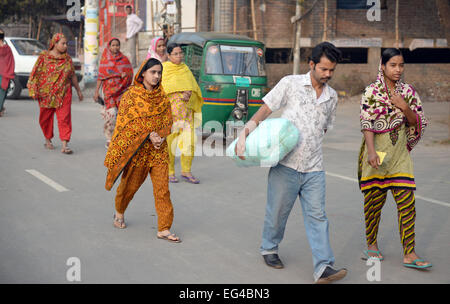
(325, 49)
(129, 6)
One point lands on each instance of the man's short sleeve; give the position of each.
(332, 112)
(275, 99)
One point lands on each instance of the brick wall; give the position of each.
(417, 19)
(274, 26)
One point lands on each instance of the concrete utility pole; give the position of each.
(114, 19)
(91, 46)
(298, 12)
(178, 22)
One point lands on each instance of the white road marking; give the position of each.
(417, 196)
(47, 180)
(342, 177)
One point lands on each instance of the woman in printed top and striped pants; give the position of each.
(392, 122)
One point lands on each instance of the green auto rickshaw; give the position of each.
(230, 70)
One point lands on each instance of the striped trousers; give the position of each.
(374, 200)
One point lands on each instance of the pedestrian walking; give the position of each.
(310, 103)
(157, 49)
(7, 66)
(138, 147)
(134, 25)
(186, 101)
(115, 75)
(392, 122)
(50, 83)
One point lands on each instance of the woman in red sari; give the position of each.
(115, 76)
(51, 83)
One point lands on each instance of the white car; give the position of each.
(26, 52)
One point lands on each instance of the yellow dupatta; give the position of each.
(178, 78)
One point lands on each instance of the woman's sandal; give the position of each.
(119, 222)
(413, 264)
(49, 146)
(173, 179)
(66, 150)
(190, 179)
(174, 239)
(367, 256)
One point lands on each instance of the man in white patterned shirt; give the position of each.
(308, 102)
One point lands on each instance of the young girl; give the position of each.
(392, 122)
(138, 147)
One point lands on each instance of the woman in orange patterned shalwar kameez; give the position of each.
(138, 147)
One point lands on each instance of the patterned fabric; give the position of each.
(110, 73)
(183, 135)
(134, 177)
(374, 201)
(152, 50)
(396, 171)
(379, 115)
(7, 66)
(141, 112)
(182, 115)
(109, 117)
(296, 96)
(50, 79)
(178, 78)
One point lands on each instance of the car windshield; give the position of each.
(235, 60)
(28, 47)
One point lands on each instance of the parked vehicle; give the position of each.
(26, 51)
(230, 70)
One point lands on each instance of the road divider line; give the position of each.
(417, 196)
(47, 180)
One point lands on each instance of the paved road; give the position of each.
(219, 220)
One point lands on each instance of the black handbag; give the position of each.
(100, 101)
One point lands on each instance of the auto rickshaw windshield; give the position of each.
(235, 60)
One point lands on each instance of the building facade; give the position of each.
(361, 31)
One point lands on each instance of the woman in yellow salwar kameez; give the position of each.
(186, 101)
(138, 147)
(392, 122)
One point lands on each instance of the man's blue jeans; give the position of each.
(284, 185)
